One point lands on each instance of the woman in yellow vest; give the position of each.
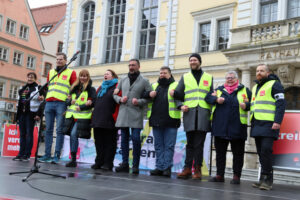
(229, 124)
(80, 103)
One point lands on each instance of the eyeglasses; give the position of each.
(230, 78)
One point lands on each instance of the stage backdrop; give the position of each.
(11, 140)
(86, 150)
(286, 149)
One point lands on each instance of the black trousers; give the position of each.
(106, 145)
(194, 148)
(264, 146)
(238, 150)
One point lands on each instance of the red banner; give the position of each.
(11, 140)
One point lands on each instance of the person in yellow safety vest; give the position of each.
(229, 124)
(164, 117)
(192, 90)
(266, 114)
(58, 90)
(80, 102)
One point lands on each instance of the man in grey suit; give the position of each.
(131, 114)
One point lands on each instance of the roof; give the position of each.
(49, 16)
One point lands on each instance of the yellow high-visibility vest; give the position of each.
(173, 111)
(194, 94)
(59, 87)
(82, 114)
(263, 104)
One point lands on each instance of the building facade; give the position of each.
(20, 52)
(229, 35)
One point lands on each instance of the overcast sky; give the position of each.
(41, 3)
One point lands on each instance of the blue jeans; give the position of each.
(54, 109)
(164, 143)
(26, 124)
(136, 143)
(74, 139)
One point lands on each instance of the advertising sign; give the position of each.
(286, 149)
(11, 140)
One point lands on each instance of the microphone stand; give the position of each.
(35, 167)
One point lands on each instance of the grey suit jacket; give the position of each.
(130, 115)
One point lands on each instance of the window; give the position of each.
(114, 39)
(87, 33)
(204, 37)
(47, 68)
(223, 34)
(11, 26)
(148, 28)
(3, 53)
(268, 11)
(1, 89)
(24, 31)
(45, 29)
(30, 62)
(18, 58)
(293, 8)
(1, 20)
(60, 47)
(13, 92)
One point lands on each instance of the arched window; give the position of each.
(87, 33)
(292, 96)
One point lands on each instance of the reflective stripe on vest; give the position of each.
(241, 95)
(82, 114)
(59, 87)
(173, 111)
(194, 94)
(263, 104)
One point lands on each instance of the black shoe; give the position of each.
(122, 168)
(25, 158)
(71, 164)
(156, 172)
(96, 166)
(135, 170)
(106, 168)
(17, 158)
(167, 172)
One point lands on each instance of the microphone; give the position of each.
(75, 56)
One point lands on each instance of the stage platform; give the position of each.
(85, 183)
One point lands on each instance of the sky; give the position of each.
(41, 3)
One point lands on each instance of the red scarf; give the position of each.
(231, 88)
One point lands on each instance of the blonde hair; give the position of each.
(77, 82)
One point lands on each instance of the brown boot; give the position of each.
(185, 174)
(197, 174)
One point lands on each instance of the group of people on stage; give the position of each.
(119, 104)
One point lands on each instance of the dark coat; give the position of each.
(105, 107)
(226, 121)
(261, 128)
(160, 108)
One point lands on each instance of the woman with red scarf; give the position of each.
(229, 124)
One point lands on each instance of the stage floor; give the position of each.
(85, 183)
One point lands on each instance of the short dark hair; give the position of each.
(166, 68)
(136, 60)
(62, 54)
(113, 73)
(266, 66)
(33, 74)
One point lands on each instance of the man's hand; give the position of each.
(41, 98)
(73, 101)
(135, 101)
(276, 126)
(88, 103)
(220, 100)
(243, 106)
(78, 108)
(37, 118)
(172, 93)
(116, 91)
(214, 93)
(184, 108)
(152, 94)
(124, 99)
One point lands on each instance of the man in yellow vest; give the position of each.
(164, 118)
(58, 91)
(192, 90)
(267, 111)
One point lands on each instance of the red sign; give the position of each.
(262, 93)
(205, 83)
(64, 77)
(11, 140)
(289, 136)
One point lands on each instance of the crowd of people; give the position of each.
(120, 104)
